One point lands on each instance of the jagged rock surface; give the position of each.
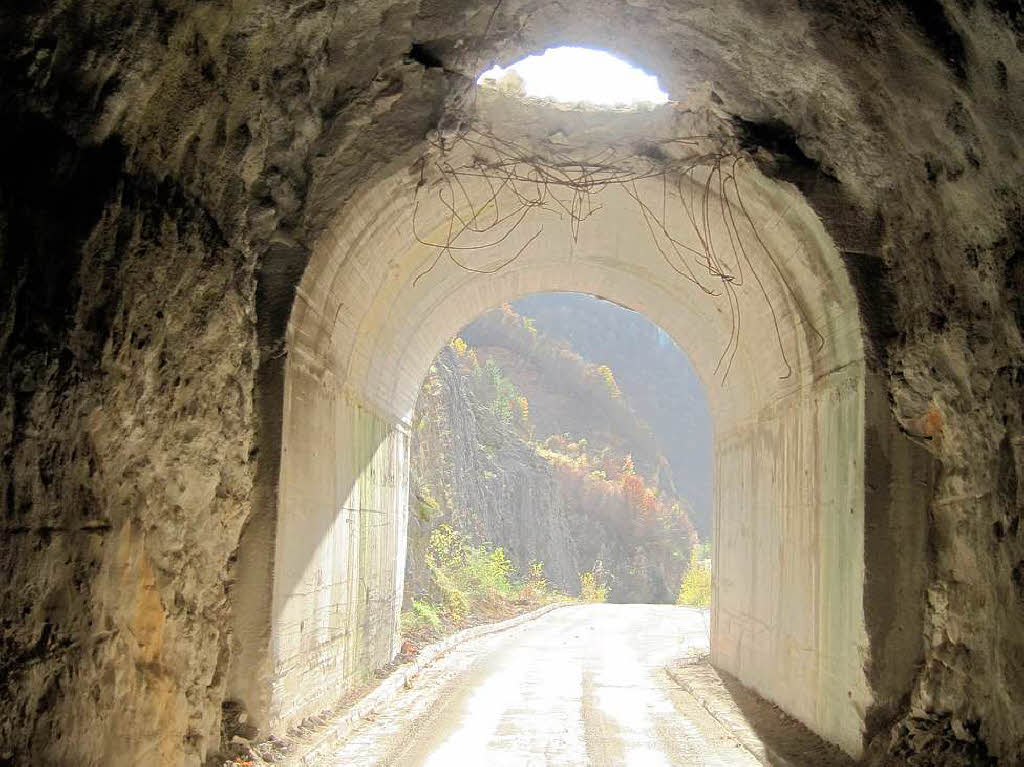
(483, 476)
(487, 481)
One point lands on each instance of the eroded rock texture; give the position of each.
(518, 505)
(169, 164)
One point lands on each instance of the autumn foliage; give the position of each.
(623, 503)
(602, 485)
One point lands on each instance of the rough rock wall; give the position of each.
(943, 181)
(487, 482)
(483, 476)
(153, 194)
(127, 426)
(177, 158)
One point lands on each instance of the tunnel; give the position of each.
(791, 416)
(227, 260)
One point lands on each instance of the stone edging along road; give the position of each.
(335, 730)
(735, 726)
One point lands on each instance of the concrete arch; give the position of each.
(791, 451)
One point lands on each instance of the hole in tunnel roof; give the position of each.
(580, 75)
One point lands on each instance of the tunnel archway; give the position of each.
(575, 435)
(792, 424)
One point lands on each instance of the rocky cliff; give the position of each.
(474, 471)
(488, 462)
(657, 379)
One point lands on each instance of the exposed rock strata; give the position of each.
(484, 476)
(670, 412)
(510, 497)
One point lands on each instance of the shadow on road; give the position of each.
(761, 726)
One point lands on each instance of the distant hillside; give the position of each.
(522, 442)
(567, 393)
(670, 417)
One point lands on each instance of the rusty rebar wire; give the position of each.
(521, 180)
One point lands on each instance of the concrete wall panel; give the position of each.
(338, 582)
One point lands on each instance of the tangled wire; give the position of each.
(521, 181)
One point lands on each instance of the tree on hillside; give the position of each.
(695, 590)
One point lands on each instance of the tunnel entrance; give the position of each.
(649, 209)
(204, 458)
(566, 438)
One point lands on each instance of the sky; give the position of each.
(581, 74)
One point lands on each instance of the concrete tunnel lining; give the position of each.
(788, 612)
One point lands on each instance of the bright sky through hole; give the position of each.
(581, 74)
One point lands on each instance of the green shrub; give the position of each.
(608, 377)
(488, 573)
(695, 589)
(536, 576)
(422, 615)
(593, 585)
(456, 605)
(427, 506)
(536, 588)
(466, 574)
(472, 580)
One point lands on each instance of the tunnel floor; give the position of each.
(583, 685)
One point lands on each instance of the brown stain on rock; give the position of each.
(148, 618)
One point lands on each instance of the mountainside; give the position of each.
(472, 469)
(567, 393)
(655, 377)
(522, 442)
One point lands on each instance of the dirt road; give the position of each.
(583, 685)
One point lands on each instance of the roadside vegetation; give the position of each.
(594, 585)
(695, 589)
(471, 584)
